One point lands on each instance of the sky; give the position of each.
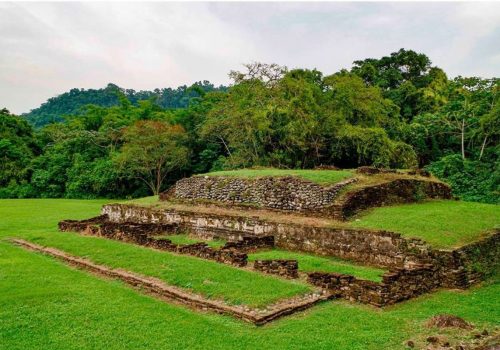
(48, 48)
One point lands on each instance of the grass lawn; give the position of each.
(311, 263)
(441, 223)
(46, 305)
(323, 177)
(209, 278)
(184, 239)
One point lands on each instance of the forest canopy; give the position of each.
(397, 111)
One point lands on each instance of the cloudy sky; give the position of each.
(49, 48)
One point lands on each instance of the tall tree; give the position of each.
(151, 150)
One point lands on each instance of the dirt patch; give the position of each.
(449, 321)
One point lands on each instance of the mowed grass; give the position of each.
(211, 279)
(184, 239)
(441, 223)
(312, 263)
(46, 305)
(323, 177)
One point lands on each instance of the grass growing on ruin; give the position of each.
(184, 239)
(141, 201)
(46, 305)
(441, 223)
(324, 177)
(312, 263)
(209, 278)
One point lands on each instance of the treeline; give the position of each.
(73, 102)
(397, 111)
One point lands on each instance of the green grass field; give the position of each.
(183, 239)
(324, 177)
(46, 305)
(311, 263)
(443, 224)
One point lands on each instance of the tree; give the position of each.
(358, 104)
(151, 150)
(17, 147)
(402, 76)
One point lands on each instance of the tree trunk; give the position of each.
(225, 146)
(482, 147)
(463, 138)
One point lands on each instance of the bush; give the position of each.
(470, 180)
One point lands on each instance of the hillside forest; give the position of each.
(397, 111)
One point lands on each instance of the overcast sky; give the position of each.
(49, 48)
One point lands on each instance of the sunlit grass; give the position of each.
(441, 223)
(312, 263)
(183, 239)
(324, 177)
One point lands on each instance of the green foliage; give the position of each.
(407, 78)
(371, 146)
(470, 180)
(76, 101)
(17, 147)
(151, 150)
(395, 111)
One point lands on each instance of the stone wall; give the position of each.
(280, 267)
(138, 234)
(470, 263)
(379, 248)
(457, 268)
(284, 193)
(251, 243)
(391, 192)
(397, 285)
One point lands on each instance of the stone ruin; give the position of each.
(414, 267)
(294, 194)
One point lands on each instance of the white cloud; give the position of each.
(48, 48)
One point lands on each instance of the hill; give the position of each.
(74, 101)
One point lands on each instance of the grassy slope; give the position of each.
(44, 304)
(310, 263)
(443, 224)
(325, 177)
(206, 277)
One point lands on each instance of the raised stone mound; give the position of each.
(294, 194)
(288, 193)
(456, 269)
(449, 321)
(415, 267)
